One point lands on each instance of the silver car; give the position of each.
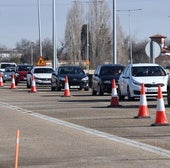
(42, 76)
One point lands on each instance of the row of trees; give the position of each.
(88, 36)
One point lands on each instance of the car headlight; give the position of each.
(85, 79)
(107, 82)
(61, 78)
(136, 83)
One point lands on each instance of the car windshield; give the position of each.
(9, 69)
(43, 70)
(70, 70)
(148, 71)
(7, 65)
(24, 68)
(111, 70)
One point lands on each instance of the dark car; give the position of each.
(103, 77)
(21, 72)
(168, 91)
(77, 79)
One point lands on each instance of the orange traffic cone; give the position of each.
(114, 96)
(13, 86)
(66, 88)
(1, 80)
(161, 119)
(143, 107)
(33, 85)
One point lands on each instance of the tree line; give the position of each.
(88, 37)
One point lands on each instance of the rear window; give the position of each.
(148, 71)
(111, 70)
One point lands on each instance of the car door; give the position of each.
(124, 81)
(95, 79)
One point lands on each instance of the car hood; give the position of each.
(45, 75)
(151, 80)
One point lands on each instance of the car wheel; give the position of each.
(129, 95)
(94, 93)
(119, 94)
(86, 89)
(28, 85)
(168, 97)
(53, 88)
(58, 88)
(100, 91)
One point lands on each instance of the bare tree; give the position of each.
(99, 32)
(73, 32)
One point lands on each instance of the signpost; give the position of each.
(41, 61)
(152, 50)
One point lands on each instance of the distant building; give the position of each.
(160, 39)
(164, 58)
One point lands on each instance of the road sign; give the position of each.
(153, 50)
(41, 61)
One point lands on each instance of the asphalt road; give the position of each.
(78, 131)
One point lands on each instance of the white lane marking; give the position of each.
(108, 136)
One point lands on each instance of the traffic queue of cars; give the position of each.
(128, 79)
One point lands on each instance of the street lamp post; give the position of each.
(114, 34)
(130, 38)
(39, 27)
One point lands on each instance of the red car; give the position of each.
(21, 72)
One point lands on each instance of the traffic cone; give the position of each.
(13, 86)
(161, 119)
(1, 79)
(33, 85)
(114, 96)
(66, 88)
(143, 107)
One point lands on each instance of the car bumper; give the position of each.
(149, 91)
(75, 85)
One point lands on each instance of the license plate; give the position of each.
(74, 87)
(152, 90)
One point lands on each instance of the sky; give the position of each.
(19, 19)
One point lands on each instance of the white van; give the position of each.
(3, 65)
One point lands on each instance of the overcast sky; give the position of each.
(18, 19)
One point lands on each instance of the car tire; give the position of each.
(94, 93)
(129, 95)
(86, 89)
(53, 88)
(28, 85)
(168, 97)
(100, 91)
(120, 95)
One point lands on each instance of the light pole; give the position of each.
(130, 39)
(55, 60)
(39, 27)
(114, 34)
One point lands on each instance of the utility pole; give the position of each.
(114, 34)
(39, 27)
(130, 38)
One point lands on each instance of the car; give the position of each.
(7, 74)
(150, 74)
(42, 76)
(21, 72)
(3, 65)
(103, 77)
(77, 78)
